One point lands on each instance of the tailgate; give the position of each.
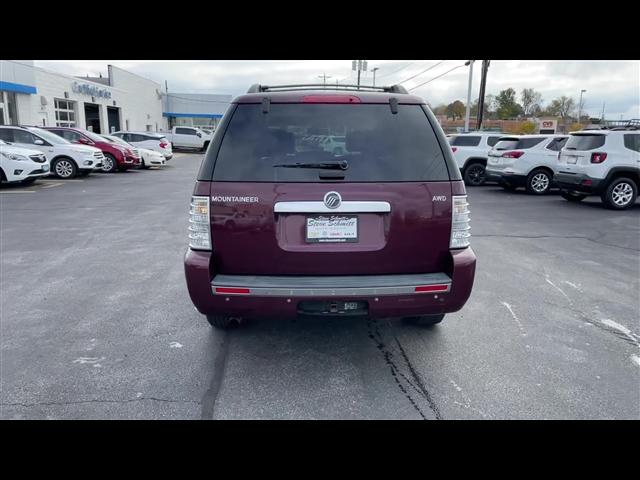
(359, 237)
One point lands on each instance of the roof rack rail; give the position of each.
(257, 88)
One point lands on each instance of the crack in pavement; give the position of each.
(567, 237)
(416, 384)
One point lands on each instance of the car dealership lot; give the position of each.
(96, 321)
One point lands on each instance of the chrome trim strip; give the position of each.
(320, 207)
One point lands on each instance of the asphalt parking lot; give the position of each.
(96, 321)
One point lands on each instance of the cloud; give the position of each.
(614, 83)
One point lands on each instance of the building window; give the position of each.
(65, 113)
(8, 109)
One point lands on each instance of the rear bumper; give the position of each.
(578, 182)
(386, 295)
(505, 178)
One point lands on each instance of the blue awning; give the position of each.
(17, 87)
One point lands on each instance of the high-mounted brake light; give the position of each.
(598, 157)
(460, 229)
(199, 226)
(330, 99)
(513, 154)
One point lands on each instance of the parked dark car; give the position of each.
(116, 157)
(278, 228)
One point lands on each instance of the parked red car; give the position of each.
(116, 157)
(280, 226)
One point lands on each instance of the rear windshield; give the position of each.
(584, 142)
(491, 141)
(518, 143)
(378, 146)
(465, 141)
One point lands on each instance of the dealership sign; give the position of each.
(92, 90)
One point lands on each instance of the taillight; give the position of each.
(460, 228)
(514, 154)
(199, 226)
(598, 157)
(453, 149)
(163, 145)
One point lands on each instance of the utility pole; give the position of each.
(359, 66)
(602, 116)
(166, 87)
(580, 106)
(468, 113)
(324, 77)
(483, 84)
(374, 75)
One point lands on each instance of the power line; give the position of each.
(423, 71)
(396, 71)
(434, 78)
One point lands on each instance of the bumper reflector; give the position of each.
(432, 288)
(232, 291)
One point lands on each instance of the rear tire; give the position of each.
(620, 194)
(220, 321)
(424, 320)
(474, 174)
(109, 163)
(538, 182)
(572, 196)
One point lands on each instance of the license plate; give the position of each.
(332, 228)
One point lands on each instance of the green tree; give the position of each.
(531, 101)
(456, 109)
(507, 106)
(527, 128)
(440, 109)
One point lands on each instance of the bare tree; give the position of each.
(531, 101)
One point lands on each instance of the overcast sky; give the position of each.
(614, 83)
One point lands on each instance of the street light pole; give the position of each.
(374, 75)
(324, 77)
(468, 113)
(359, 65)
(580, 106)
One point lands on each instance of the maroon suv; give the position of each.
(116, 157)
(281, 226)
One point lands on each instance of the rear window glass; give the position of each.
(377, 145)
(491, 141)
(506, 144)
(465, 141)
(584, 142)
(557, 143)
(632, 141)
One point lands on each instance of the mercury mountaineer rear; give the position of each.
(282, 223)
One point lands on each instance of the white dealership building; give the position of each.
(121, 100)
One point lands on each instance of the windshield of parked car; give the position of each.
(49, 136)
(93, 136)
(377, 145)
(117, 140)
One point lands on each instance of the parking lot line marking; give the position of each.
(18, 191)
(50, 185)
(57, 181)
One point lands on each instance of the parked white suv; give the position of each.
(148, 158)
(65, 158)
(471, 151)
(528, 161)
(21, 164)
(601, 162)
(149, 140)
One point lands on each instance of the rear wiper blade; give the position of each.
(328, 165)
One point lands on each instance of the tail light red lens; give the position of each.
(232, 291)
(598, 157)
(514, 154)
(163, 145)
(432, 288)
(453, 149)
